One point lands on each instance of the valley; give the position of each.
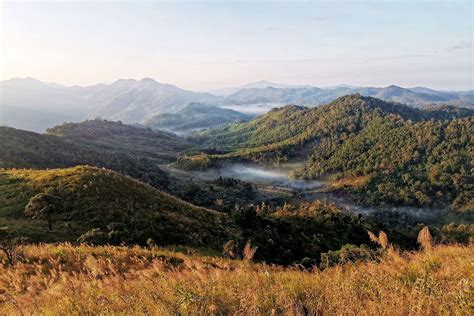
(295, 188)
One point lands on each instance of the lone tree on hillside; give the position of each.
(43, 206)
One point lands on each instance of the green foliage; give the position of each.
(415, 164)
(348, 254)
(125, 209)
(221, 194)
(290, 233)
(43, 205)
(129, 150)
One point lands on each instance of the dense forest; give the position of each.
(412, 157)
(133, 151)
(196, 116)
(417, 164)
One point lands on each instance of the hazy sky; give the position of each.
(206, 45)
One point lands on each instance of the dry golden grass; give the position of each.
(63, 280)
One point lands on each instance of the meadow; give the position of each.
(82, 280)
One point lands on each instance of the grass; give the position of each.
(94, 198)
(63, 279)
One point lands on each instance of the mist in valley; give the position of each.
(278, 176)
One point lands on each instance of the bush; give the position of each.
(347, 254)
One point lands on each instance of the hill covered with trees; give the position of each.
(359, 136)
(132, 151)
(195, 116)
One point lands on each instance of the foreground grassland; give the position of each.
(62, 279)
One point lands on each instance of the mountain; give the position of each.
(136, 101)
(115, 137)
(105, 207)
(34, 105)
(312, 96)
(425, 145)
(195, 116)
(254, 85)
(132, 151)
(30, 104)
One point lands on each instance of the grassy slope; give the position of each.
(94, 198)
(60, 279)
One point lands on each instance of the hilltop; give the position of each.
(195, 116)
(131, 141)
(106, 207)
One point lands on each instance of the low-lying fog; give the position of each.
(278, 176)
(254, 109)
(268, 176)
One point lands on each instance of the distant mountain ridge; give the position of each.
(30, 104)
(312, 96)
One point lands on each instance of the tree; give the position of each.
(10, 245)
(43, 206)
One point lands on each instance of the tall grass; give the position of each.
(62, 279)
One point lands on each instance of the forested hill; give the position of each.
(418, 164)
(196, 116)
(406, 156)
(132, 141)
(292, 131)
(22, 149)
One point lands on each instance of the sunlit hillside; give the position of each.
(102, 206)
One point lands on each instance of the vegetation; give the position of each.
(408, 156)
(104, 207)
(417, 164)
(196, 116)
(22, 149)
(62, 279)
(133, 142)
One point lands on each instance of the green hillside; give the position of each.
(419, 164)
(124, 209)
(116, 137)
(129, 150)
(359, 136)
(196, 116)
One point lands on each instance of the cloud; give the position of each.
(461, 45)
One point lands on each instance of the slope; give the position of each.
(22, 149)
(195, 116)
(116, 137)
(125, 210)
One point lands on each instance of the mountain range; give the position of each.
(34, 105)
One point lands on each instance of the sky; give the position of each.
(217, 44)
